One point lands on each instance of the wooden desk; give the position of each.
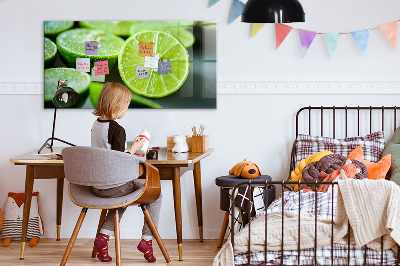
(168, 164)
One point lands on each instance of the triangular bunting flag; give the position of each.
(281, 31)
(256, 27)
(361, 38)
(332, 41)
(213, 2)
(306, 39)
(390, 32)
(237, 9)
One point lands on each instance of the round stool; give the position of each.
(228, 182)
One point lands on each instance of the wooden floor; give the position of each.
(50, 252)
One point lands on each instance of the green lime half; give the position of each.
(71, 45)
(167, 47)
(176, 28)
(52, 28)
(185, 36)
(50, 52)
(137, 101)
(159, 25)
(121, 28)
(208, 24)
(79, 81)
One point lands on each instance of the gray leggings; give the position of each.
(154, 208)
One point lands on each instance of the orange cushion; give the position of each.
(375, 170)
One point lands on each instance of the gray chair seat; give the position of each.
(83, 196)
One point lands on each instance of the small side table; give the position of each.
(228, 182)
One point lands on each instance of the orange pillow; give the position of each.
(375, 170)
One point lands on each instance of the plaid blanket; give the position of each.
(323, 205)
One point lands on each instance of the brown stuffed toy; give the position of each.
(245, 169)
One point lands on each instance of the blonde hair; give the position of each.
(113, 98)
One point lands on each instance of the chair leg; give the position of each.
(73, 237)
(117, 239)
(223, 229)
(154, 230)
(101, 222)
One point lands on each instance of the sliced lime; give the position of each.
(71, 45)
(79, 81)
(167, 47)
(176, 28)
(208, 24)
(137, 101)
(52, 28)
(121, 28)
(159, 25)
(50, 52)
(185, 36)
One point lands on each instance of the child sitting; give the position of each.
(106, 133)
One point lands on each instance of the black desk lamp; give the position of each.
(63, 97)
(273, 11)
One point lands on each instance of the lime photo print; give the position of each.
(166, 64)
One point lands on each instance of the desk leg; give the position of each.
(60, 190)
(199, 204)
(27, 206)
(176, 183)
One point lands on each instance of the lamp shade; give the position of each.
(273, 11)
(65, 96)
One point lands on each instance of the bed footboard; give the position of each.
(383, 259)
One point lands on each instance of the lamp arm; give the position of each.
(54, 126)
(51, 140)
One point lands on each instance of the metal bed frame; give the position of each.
(283, 184)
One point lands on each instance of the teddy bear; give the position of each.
(245, 169)
(180, 144)
(13, 215)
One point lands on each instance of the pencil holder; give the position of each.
(200, 143)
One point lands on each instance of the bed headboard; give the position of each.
(345, 121)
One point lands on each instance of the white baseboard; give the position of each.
(259, 87)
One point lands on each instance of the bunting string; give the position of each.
(361, 37)
(343, 33)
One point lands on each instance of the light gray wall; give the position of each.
(258, 127)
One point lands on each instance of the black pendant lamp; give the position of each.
(273, 11)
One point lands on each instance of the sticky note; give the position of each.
(102, 68)
(91, 48)
(151, 62)
(145, 49)
(83, 65)
(164, 67)
(142, 72)
(98, 78)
